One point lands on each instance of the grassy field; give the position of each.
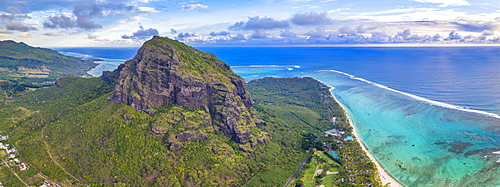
(8, 178)
(315, 164)
(309, 173)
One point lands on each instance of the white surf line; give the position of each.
(437, 103)
(384, 175)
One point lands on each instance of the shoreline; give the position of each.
(385, 177)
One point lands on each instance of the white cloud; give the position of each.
(147, 9)
(338, 10)
(194, 6)
(446, 3)
(26, 35)
(411, 14)
(53, 34)
(297, 1)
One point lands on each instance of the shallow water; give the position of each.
(420, 143)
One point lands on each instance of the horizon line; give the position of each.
(347, 45)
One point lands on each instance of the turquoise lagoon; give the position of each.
(420, 142)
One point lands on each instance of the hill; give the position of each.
(34, 67)
(204, 132)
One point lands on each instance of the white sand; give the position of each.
(384, 176)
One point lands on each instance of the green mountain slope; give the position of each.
(37, 66)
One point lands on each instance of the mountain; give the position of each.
(23, 64)
(171, 116)
(165, 71)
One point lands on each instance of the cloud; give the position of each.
(221, 33)
(405, 34)
(472, 26)
(297, 1)
(356, 30)
(454, 36)
(83, 15)
(265, 23)
(53, 34)
(60, 21)
(311, 19)
(194, 6)
(338, 10)
(26, 35)
(147, 9)
(487, 33)
(259, 33)
(446, 3)
(4, 31)
(238, 38)
(318, 34)
(173, 31)
(18, 26)
(28, 6)
(142, 34)
(288, 34)
(184, 35)
(347, 30)
(14, 17)
(92, 36)
(73, 33)
(14, 21)
(364, 28)
(13, 10)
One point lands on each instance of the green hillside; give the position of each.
(81, 138)
(25, 65)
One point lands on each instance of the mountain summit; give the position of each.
(165, 71)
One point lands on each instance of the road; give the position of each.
(303, 163)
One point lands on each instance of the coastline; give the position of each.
(385, 177)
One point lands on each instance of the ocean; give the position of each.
(430, 115)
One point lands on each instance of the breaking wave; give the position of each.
(432, 102)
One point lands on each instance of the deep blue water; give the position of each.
(428, 114)
(463, 76)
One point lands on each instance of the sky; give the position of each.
(128, 23)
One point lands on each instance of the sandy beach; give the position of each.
(384, 176)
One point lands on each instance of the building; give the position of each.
(46, 184)
(11, 150)
(23, 167)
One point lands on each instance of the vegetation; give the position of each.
(25, 66)
(72, 134)
(305, 109)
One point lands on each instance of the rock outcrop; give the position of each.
(165, 71)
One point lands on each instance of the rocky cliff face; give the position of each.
(165, 71)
